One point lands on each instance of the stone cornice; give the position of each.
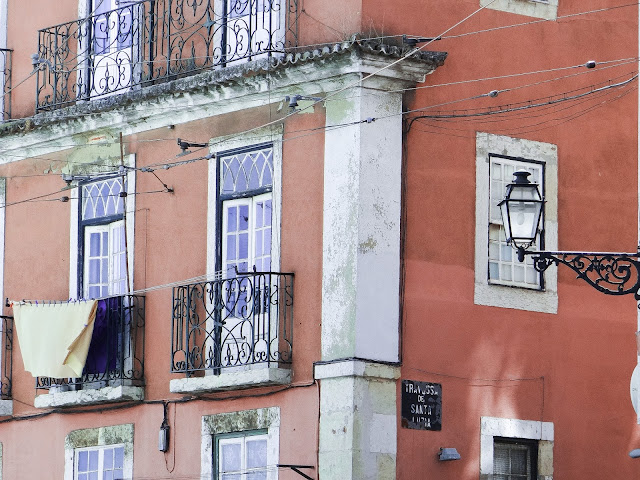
(217, 92)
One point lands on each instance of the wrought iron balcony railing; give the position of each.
(233, 322)
(116, 352)
(6, 357)
(5, 84)
(150, 41)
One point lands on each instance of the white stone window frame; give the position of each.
(250, 375)
(546, 300)
(545, 9)
(99, 437)
(74, 225)
(119, 393)
(237, 422)
(510, 428)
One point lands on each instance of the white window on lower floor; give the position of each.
(512, 449)
(242, 445)
(515, 459)
(102, 453)
(99, 463)
(241, 455)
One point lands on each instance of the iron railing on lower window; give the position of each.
(6, 356)
(149, 41)
(5, 84)
(233, 322)
(116, 352)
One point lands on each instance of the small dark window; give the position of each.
(515, 459)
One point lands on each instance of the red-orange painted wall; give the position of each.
(571, 368)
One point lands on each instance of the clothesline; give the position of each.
(219, 275)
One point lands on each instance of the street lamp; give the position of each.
(521, 208)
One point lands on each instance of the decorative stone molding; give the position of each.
(120, 393)
(232, 380)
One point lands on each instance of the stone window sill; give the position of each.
(231, 380)
(121, 393)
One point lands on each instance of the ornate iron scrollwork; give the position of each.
(610, 273)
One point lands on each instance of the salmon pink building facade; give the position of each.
(260, 239)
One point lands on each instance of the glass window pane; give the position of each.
(518, 273)
(259, 214)
(232, 222)
(94, 271)
(231, 457)
(82, 476)
(256, 453)
(506, 252)
(93, 459)
(494, 271)
(505, 272)
(532, 275)
(243, 217)
(108, 475)
(93, 476)
(231, 247)
(94, 244)
(104, 277)
(243, 244)
(83, 461)
(119, 458)
(108, 458)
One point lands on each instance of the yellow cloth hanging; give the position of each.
(54, 339)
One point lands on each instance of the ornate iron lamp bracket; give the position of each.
(609, 273)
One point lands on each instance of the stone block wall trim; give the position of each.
(356, 368)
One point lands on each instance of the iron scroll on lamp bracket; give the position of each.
(609, 273)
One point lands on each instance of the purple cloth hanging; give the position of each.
(103, 350)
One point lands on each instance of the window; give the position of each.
(515, 459)
(253, 29)
(547, 9)
(241, 445)
(245, 203)
(104, 264)
(111, 27)
(513, 449)
(102, 453)
(99, 463)
(497, 270)
(504, 267)
(241, 456)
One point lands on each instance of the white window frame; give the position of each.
(238, 422)
(496, 295)
(543, 432)
(546, 9)
(496, 197)
(110, 436)
(74, 225)
(251, 203)
(235, 438)
(232, 142)
(279, 16)
(112, 256)
(101, 450)
(132, 70)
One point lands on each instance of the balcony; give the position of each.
(114, 369)
(147, 42)
(5, 84)
(241, 325)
